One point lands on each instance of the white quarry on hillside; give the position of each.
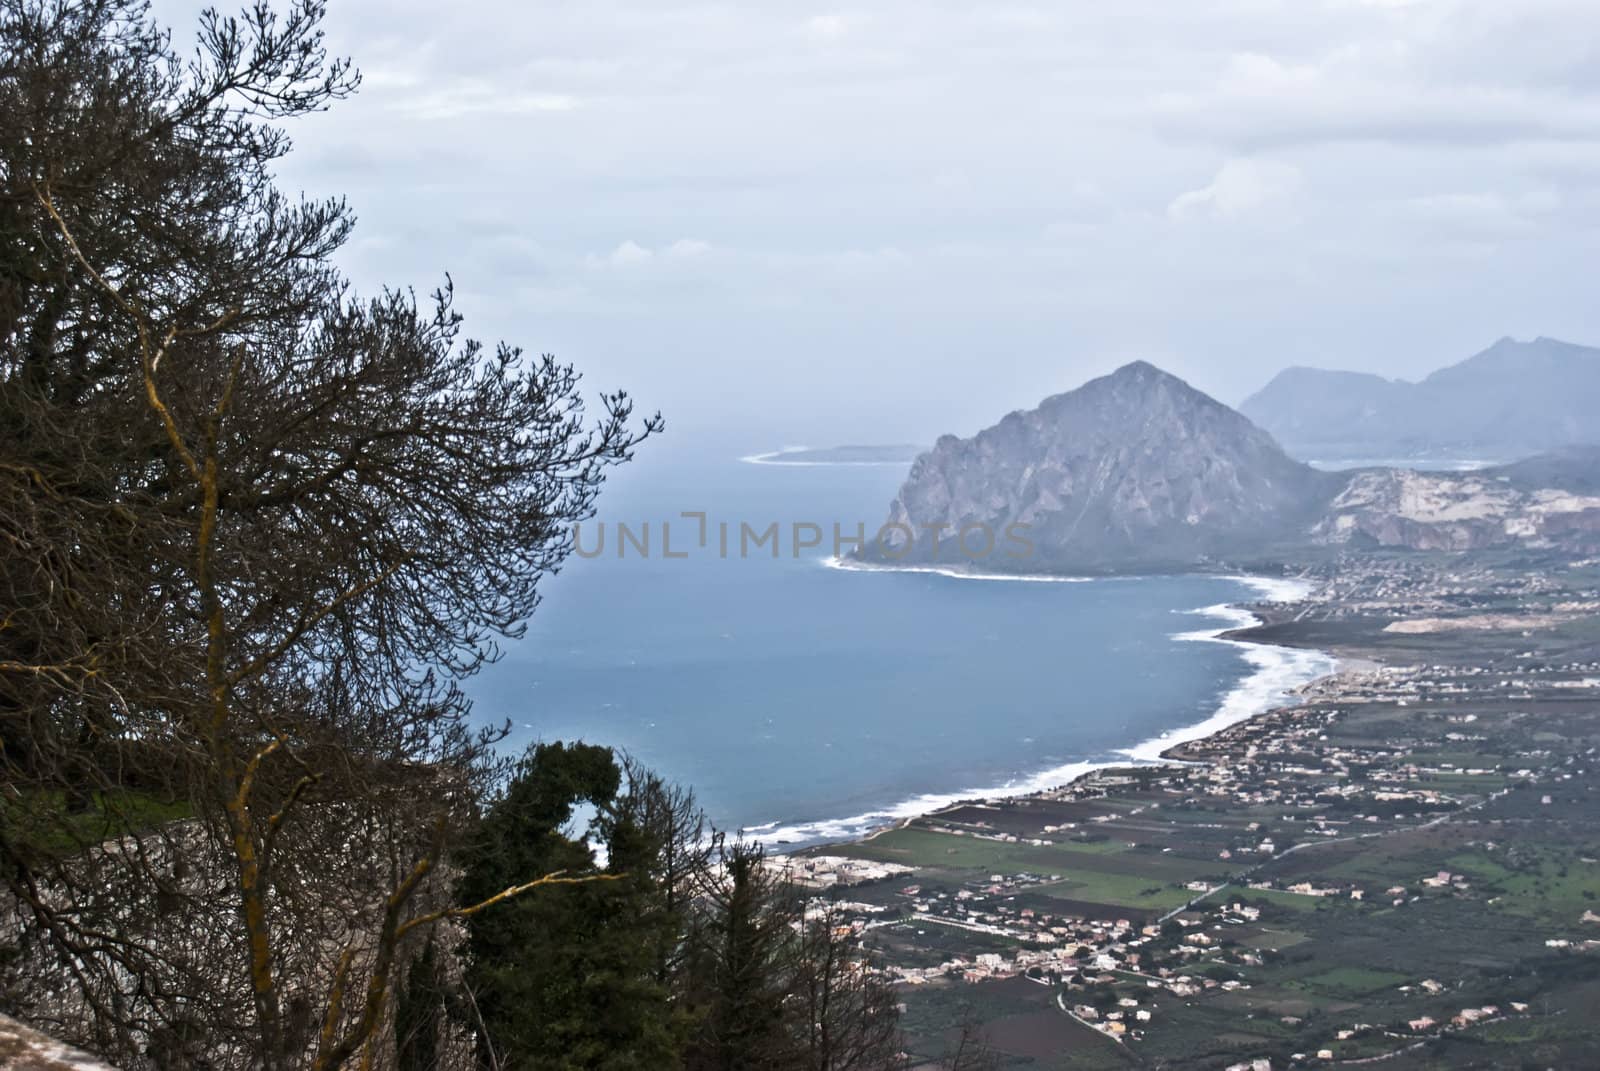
(1447, 511)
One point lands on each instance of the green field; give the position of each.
(1354, 981)
(1105, 872)
(1270, 938)
(1122, 889)
(926, 848)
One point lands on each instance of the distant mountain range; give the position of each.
(1512, 400)
(1140, 470)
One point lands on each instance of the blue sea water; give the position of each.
(808, 703)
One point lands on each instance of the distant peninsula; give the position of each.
(890, 454)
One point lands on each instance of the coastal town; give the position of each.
(1267, 896)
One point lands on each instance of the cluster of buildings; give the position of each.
(818, 872)
(1301, 777)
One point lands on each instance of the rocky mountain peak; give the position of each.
(1135, 467)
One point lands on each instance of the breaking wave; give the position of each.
(1273, 673)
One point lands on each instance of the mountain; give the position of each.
(1133, 469)
(1547, 503)
(1138, 470)
(1574, 469)
(1512, 400)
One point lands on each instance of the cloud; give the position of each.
(1482, 217)
(1219, 180)
(630, 254)
(831, 25)
(1240, 187)
(688, 247)
(1419, 75)
(468, 98)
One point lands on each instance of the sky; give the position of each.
(784, 223)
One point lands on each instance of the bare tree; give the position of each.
(776, 986)
(253, 532)
(849, 1016)
(740, 961)
(670, 818)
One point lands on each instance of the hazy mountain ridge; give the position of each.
(1511, 400)
(1140, 470)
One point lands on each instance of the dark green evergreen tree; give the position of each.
(680, 951)
(564, 978)
(741, 965)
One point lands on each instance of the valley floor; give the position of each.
(1403, 869)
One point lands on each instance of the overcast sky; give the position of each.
(784, 223)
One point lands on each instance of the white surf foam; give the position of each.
(1277, 588)
(1275, 672)
(837, 829)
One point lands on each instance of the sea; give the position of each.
(806, 702)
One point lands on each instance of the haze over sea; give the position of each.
(809, 703)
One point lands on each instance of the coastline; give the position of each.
(774, 457)
(851, 566)
(1406, 821)
(1276, 674)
